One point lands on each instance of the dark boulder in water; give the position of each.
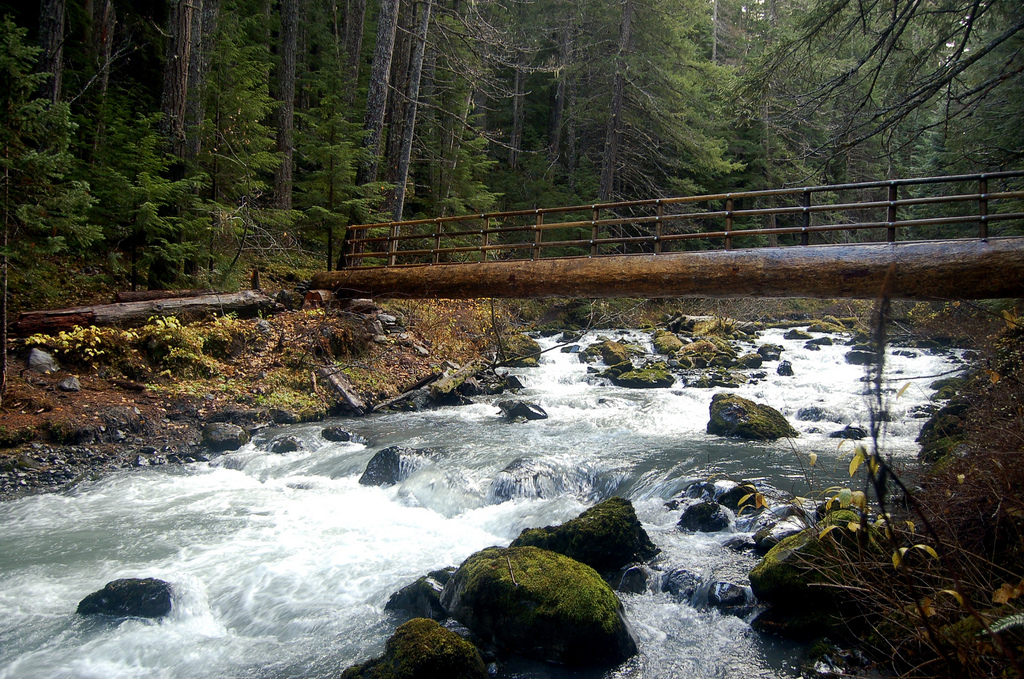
(341, 435)
(785, 369)
(681, 584)
(286, 444)
(704, 517)
(423, 649)
(129, 597)
(394, 465)
(605, 537)
(541, 605)
(220, 437)
(422, 598)
(850, 432)
(521, 409)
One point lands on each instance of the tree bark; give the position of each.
(377, 96)
(51, 39)
(515, 142)
(286, 112)
(246, 303)
(177, 64)
(150, 295)
(204, 36)
(408, 131)
(921, 270)
(613, 134)
(355, 16)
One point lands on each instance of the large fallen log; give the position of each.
(927, 270)
(150, 295)
(244, 303)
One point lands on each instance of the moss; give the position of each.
(605, 537)
(522, 350)
(15, 437)
(827, 324)
(646, 378)
(666, 342)
(612, 353)
(423, 649)
(540, 604)
(735, 416)
(783, 576)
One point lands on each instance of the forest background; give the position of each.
(173, 144)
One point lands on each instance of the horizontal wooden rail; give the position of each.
(927, 208)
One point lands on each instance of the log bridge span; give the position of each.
(956, 237)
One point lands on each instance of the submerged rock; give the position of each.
(513, 410)
(704, 517)
(540, 604)
(681, 583)
(422, 598)
(394, 465)
(858, 357)
(526, 478)
(423, 649)
(221, 437)
(605, 537)
(735, 416)
(341, 435)
(129, 597)
(850, 432)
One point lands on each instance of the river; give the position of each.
(281, 564)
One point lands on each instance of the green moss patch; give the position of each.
(423, 649)
(735, 416)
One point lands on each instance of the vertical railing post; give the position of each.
(593, 231)
(538, 235)
(393, 243)
(437, 240)
(890, 214)
(983, 208)
(805, 235)
(728, 223)
(658, 229)
(487, 238)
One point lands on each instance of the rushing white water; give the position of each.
(281, 564)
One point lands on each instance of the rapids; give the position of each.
(281, 564)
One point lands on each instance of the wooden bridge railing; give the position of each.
(955, 207)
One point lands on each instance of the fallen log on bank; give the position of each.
(244, 303)
(919, 270)
(150, 295)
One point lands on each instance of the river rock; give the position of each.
(819, 342)
(41, 362)
(729, 598)
(422, 598)
(774, 533)
(541, 605)
(395, 464)
(816, 414)
(850, 432)
(785, 369)
(611, 353)
(220, 437)
(735, 416)
(70, 384)
(750, 361)
(129, 597)
(633, 580)
(525, 478)
(795, 334)
(286, 444)
(423, 649)
(645, 378)
(770, 352)
(513, 410)
(704, 517)
(666, 342)
(944, 432)
(341, 435)
(605, 537)
(857, 357)
(681, 584)
(523, 351)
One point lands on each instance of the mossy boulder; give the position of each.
(605, 537)
(796, 334)
(614, 371)
(944, 431)
(750, 361)
(522, 350)
(612, 353)
(784, 576)
(541, 605)
(666, 342)
(735, 416)
(827, 325)
(423, 649)
(645, 378)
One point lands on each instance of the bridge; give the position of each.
(933, 238)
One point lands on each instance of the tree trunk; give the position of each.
(4, 263)
(394, 118)
(377, 96)
(613, 133)
(178, 58)
(204, 36)
(51, 40)
(920, 270)
(355, 16)
(245, 303)
(558, 109)
(515, 142)
(150, 295)
(286, 112)
(408, 132)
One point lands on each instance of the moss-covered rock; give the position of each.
(735, 416)
(795, 334)
(783, 577)
(645, 378)
(423, 649)
(614, 371)
(666, 342)
(943, 432)
(605, 537)
(522, 350)
(540, 604)
(750, 361)
(612, 353)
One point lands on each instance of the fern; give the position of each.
(1007, 622)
